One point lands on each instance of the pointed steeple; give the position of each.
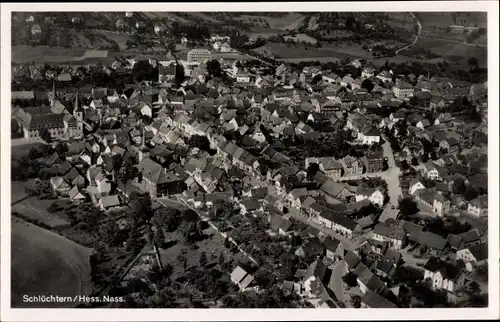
(77, 102)
(54, 90)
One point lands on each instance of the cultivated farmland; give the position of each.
(46, 263)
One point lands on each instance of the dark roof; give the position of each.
(480, 251)
(313, 248)
(470, 236)
(331, 243)
(430, 239)
(448, 270)
(376, 301)
(351, 259)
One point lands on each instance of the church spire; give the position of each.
(77, 102)
(54, 90)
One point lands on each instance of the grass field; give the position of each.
(453, 51)
(22, 54)
(288, 21)
(291, 51)
(21, 147)
(120, 39)
(46, 263)
(36, 209)
(302, 37)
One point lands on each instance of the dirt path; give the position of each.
(419, 32)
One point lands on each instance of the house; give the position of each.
(250, 206)
(402, 90)
(433, 200)
(334, 248)
(394, 235)
(444, 275)
(346, 81)
(436, 245)
(372, 300)
(369, 136)
(107, 202)
(311, 249)
(76, 195)
(473, 256)
(374, 163)
(339, 223)
(449, 145)
(414, 186)
(157, 181)
(280, 224)
(423, 124)
(59, 185)
(374, 195)
(352, 165)
(432, 171)
(367, 280)
(368, 72)
(315, 277)
(471, 237)
(479, 206)
(241, 278)
(384, 76)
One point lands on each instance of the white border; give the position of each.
(492, 311)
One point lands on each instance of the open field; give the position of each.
(46, 263)
(120, 38)
(452, 51)
(288, 21)
(36, 209)
(301, 37)
(22, 54)
(287, 51)
(21, 147)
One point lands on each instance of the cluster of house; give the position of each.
(152, 125)
(375, 261)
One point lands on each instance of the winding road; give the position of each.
(419, 32)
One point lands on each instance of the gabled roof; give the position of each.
(449, 271)
(480, 252)
(376, 301)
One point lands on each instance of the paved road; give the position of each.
(419, 32)
(391, 176)
(338, 270)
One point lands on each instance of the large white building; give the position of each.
(199, 55)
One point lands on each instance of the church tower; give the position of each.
(77, 109)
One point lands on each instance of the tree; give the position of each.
(203, 259)
(312, 170)
(222, 259)
(171, 46)
(368, 85)
(473, 62)
(14, 127)
(179, 73)
(45, 135)
(407, 207)
(143, 70)
(166, 218)
(109, 233)
(214, 68)
(350, 279)
(159, 237)
(470, 193)
(458, 186)
(356, 301)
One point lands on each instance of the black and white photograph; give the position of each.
(325, 159)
